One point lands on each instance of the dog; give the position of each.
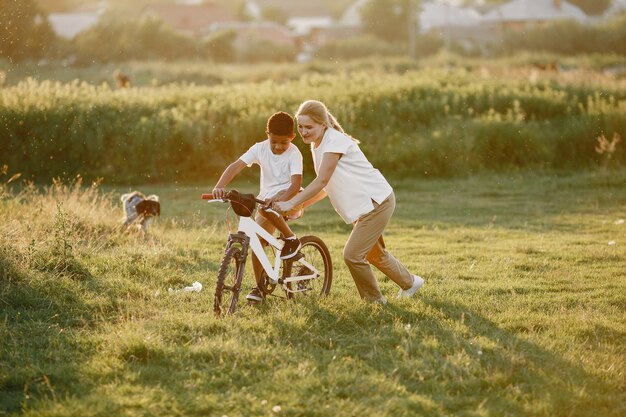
(140, 210)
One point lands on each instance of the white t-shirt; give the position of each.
(276, 170)
(355, 182)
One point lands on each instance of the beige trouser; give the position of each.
(365, 246)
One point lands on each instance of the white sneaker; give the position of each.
(382, 300)
(418, 282)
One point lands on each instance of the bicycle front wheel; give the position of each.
(315, 254)
(228, 284)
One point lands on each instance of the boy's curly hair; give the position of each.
(280, 123)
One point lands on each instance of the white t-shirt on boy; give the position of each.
(355, 182)
(276, 170)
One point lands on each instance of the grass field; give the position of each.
(523, 312)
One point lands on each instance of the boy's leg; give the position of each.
(278, 222)
(292, 244)
(256, 265)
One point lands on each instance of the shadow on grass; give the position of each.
(429, 356)
(439, 359)
(39, 354)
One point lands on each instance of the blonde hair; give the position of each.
(318, 112)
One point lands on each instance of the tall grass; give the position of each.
(431, 121)
(522, 313)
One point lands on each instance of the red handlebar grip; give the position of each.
(207, 196)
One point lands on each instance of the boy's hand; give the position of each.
(218, 193)
(271, 200)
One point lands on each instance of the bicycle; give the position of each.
(309, 272)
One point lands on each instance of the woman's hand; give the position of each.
(282, 206)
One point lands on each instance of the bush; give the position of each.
(427, 45)
(570, 38)
(266, 51)
(219, 46)
(359, 47)
(116, 41)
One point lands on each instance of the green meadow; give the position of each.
(511, 188)
(522, 314)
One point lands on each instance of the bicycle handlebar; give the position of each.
(225, 198)
(228, 197)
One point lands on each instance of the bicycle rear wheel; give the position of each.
(316, 254)
(228, 284)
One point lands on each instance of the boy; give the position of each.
(281, 179)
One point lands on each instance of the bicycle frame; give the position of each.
(253, 232)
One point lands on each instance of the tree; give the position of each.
(25, 31)
(121, 40)
(220, 45)
(274, 14)
(387, 19)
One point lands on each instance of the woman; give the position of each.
(361, 196)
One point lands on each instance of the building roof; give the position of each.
(435, 15)
(190, 18)
(534, 10)
(68, 25)
(302, 26)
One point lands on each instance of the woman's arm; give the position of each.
(327, 167)
(319, 196)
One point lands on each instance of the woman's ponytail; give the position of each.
(333, 122)
(318, 112)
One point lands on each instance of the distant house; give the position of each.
(68, 25)
(302, 17)
(522, 13)
(436, 16)
(190, 19)
(453, 23)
